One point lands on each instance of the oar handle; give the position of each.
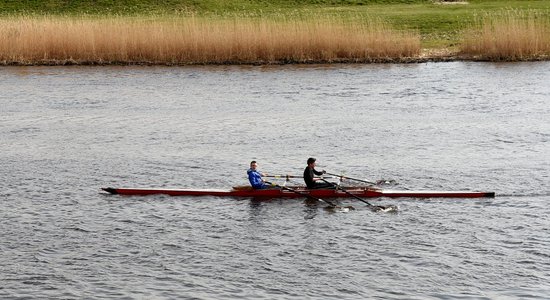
(351, 178)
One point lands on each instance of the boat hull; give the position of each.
(245, 192)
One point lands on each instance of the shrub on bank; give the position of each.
(508, 37)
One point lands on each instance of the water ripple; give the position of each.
(428, 126)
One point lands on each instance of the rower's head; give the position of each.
(311, 162)
(253, 165)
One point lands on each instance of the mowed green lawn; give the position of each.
(439, 22)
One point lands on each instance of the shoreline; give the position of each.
(427, 55)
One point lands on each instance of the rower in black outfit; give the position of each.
(309, 176)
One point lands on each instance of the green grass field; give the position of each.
(440, 27)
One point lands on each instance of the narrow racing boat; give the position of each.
(249, 192)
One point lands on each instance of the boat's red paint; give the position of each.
(363, 192)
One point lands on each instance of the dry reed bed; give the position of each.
(510, 36)
(53, 40)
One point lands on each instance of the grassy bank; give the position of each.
(255, 31)
(190, 40)
(510, 36)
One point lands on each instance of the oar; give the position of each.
(283, 176)
(331, 204)
(296, 176)
(372, 207)
(286, 177)
(351, 178)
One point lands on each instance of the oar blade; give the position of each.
(340, 209)
(385, 209)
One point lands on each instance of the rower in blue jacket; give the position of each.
(255, 177)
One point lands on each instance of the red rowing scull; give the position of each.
(247, 192)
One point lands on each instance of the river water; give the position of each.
(65, 132)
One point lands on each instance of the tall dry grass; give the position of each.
(36, 40)
(508, 36)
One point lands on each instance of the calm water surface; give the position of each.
(66, 132)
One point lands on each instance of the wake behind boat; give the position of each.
(249, 192)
